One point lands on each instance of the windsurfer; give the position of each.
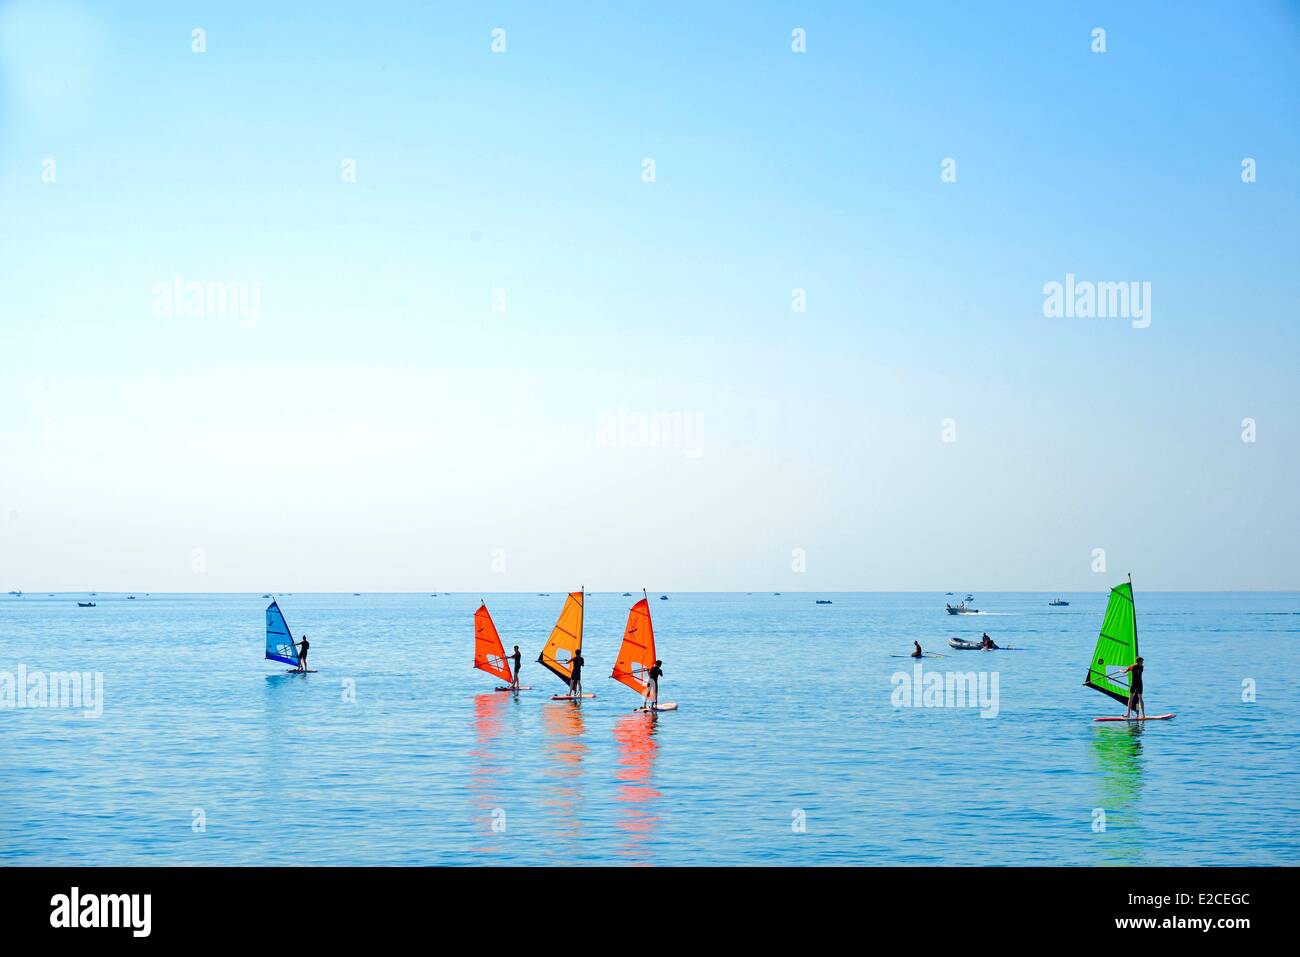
(575, 681)
(1135, 699)
(652, 685)
(515, 659)
(303, 647)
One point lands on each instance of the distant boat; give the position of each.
(130, 598)
(663, 597)
(16, 594)
(823, 601)
(94, 594)
(970, 597)
(356, 594)
(947, 593)
(627, 594)
(776, 593)
(85, 604)
(962, 609)
(1057, 603)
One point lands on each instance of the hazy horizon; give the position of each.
(652, 292)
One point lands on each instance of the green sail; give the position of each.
(1117, 646)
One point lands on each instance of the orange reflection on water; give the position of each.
(565, 750)
(637, 750)
(484, 779)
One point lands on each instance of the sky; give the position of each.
(647, 298)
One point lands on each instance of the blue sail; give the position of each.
(279, 640)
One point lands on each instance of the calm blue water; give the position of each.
(785, 707)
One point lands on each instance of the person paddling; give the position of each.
(575, 682)
(1135, 699)
(303, 647)
(987, 643)
(652, 686)
(916, 650)
(515, 659)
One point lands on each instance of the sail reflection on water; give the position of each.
(1117, 752)
(638, 798)
(565, 750)
(486, 784)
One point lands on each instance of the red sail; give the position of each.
(637, 653)
(489, 653)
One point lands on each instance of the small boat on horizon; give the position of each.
(85, 604)
(663, 597)
(961, 609)
(824, 601)
(1057, 603)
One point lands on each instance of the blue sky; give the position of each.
(378, 426)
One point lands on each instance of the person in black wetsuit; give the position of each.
(515, 659)
(575, 681)
(1135, 699)
(652, 686)
(916, 650)
(987, 643)
(303, 647)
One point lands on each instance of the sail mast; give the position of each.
(1135, 615)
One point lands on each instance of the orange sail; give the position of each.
(637, 653)
(565, 637)
(489, 653)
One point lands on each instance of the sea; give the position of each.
(803, 736)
